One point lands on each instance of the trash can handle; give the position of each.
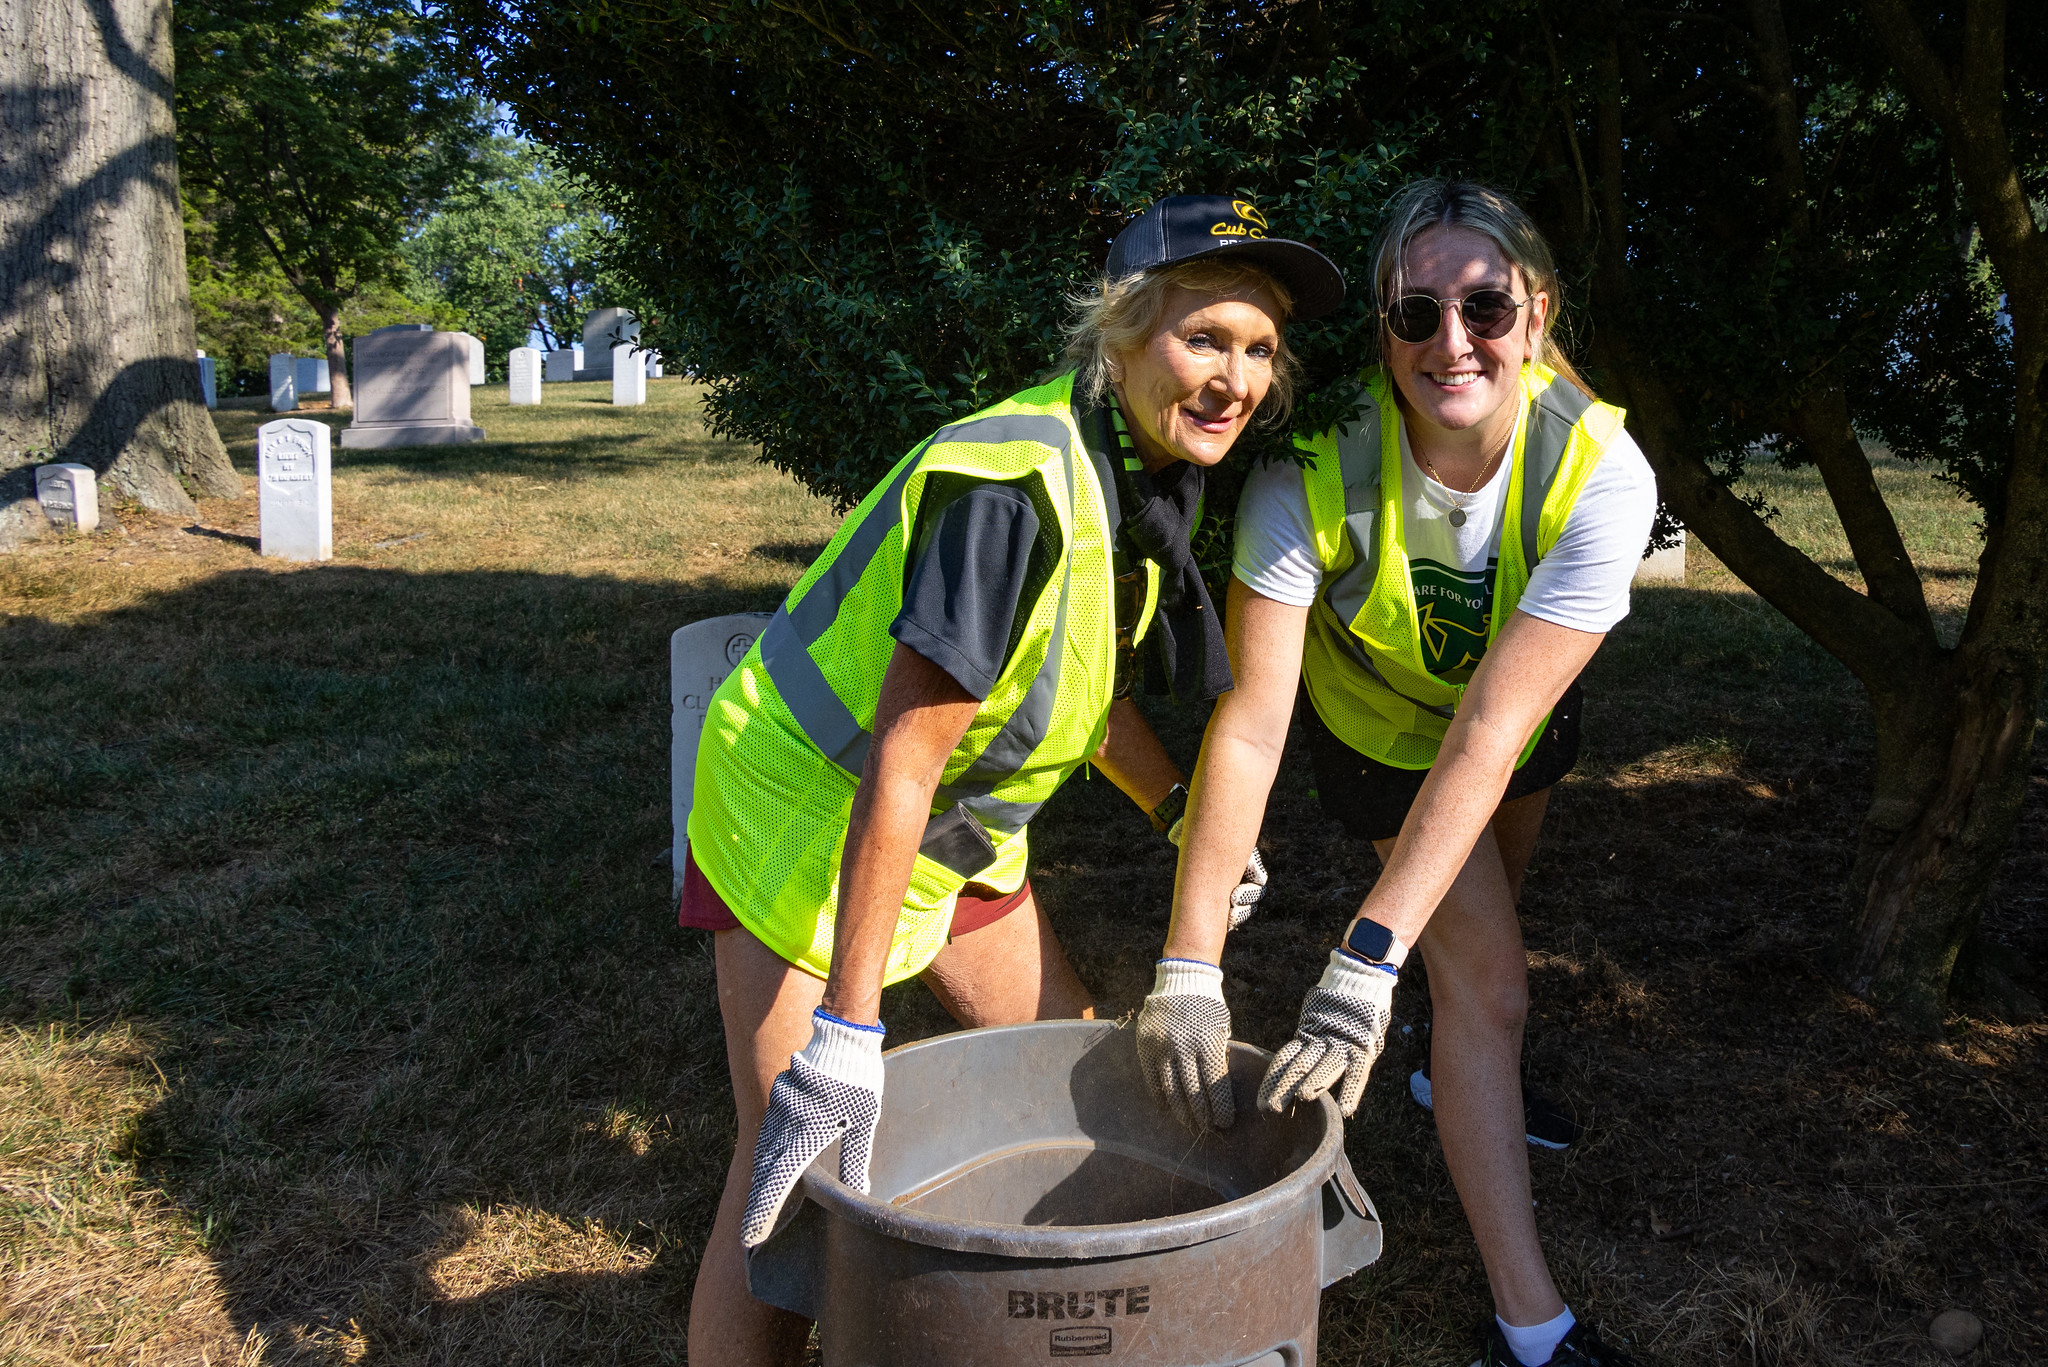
(1351, 1227)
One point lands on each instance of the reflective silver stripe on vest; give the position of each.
(826, 722)
(1552, 415)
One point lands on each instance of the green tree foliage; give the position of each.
(321, 134)
(858, 221)
(1787, 228)
(516, 250)
(245, 316)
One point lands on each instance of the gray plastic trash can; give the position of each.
(1031, 1203)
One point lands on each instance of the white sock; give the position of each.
(1534, 1345)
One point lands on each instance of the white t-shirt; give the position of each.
(1582, 583)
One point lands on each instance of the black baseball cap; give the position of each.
(1187, 227)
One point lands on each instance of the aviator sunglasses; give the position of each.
(1488, 315)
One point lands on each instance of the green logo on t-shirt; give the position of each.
(1455, 607)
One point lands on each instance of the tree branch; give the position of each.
(1822, 423)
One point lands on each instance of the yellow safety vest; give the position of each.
(1362, 661)
(787, 733)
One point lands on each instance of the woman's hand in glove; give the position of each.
(1343, 1027)
(1184, 1044)
(831, 1090)
(1244, 898)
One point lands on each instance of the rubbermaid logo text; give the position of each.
(1080, 1343)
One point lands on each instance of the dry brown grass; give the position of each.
(99, 1266)
(350, 1023)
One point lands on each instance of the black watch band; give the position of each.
(1171, 807)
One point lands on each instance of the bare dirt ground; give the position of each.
(347, 1021)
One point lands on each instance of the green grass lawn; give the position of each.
(346, 1020)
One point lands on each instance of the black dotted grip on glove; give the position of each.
(1184, 1053)
(1335, 1044)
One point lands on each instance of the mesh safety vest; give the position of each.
(787, 733)
(1362, 661)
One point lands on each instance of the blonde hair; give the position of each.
(1119, 316)
(1425, 204)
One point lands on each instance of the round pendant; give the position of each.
(1457, 517)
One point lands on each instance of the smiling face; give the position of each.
(1455, 387)
(1194, 384)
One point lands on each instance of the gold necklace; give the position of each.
(1457, 514)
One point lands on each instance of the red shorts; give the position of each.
(703, 909)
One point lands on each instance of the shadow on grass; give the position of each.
(368, 854)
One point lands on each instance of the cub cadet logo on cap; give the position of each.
(1249, 222)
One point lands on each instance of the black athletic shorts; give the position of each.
(1372, 799)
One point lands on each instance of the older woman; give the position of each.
(868, 774)
(1433, 582)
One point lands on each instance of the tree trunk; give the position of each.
(1921, 882)
(97, 360)
(338, 391)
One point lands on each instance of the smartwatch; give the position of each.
(1170, 808)
(1374, 943)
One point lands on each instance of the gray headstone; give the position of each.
(402, 327)
(524, 368)
(629, 375)
(206, 381)
(476, 359)
(69, 495)
(561, 366)
(307, 371)
(603, 330)
(284, 383)
(1665, 566)
(412, 389)
(700, 655)
(295, 489)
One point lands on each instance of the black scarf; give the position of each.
(1185, 644)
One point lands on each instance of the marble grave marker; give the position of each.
(603, 331)
(524, 368)
(1665, 566)
(412, 389)
(70, 496)
(700, 655)
(206, 381)
(284, 383)
(561, 367)
(629, 375)
(295, 489)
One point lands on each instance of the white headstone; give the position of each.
(284, 383)
(1665, 566)
(476, 359)
(700, 655)
(69, 495)
(577, 352)
(654, 370)
(524, 368)
(629, 375)
(295, 489)
(412, 389)
(312, 375)
(206, 381)
(561, 367)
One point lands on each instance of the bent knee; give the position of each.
(1495, 993)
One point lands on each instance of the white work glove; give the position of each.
(833, 1088)
(1244, 898)
(1343, 1027)
(1184, 1044)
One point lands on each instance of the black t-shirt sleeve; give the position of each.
(970, 566)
